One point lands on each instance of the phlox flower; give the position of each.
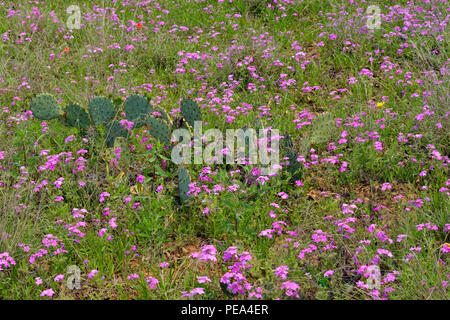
(133, 276)
(386, 186)
(24, 247)
(152, 282)
(352, 80)
(385, 252)
(427, 225)
(103, 196)
(378, 146)
(344, 166)
(112, 223)
(193, 292)
(230, 253)
(291, 288)
(59, 277)
(47, 292)
(102, 232)
(92, 273)
(283, 195)
(328, 273)
(59, 182)
(203, 279)
(70, 138)
(445, 248)
(207, 253)
(266, 233)
(299, 183)
(6, 260)
(140, 178)
(282, 272)
(257, 293)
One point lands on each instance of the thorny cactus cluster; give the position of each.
(101, 112)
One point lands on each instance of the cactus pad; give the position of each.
(77, 117)
(190, 111)
(137, 107)
(45, 107)
(287, 142)
(101, 110)
(294, 165)
(183, 183)
(159, 130)
(113, 131)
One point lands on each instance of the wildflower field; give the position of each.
(92, 205)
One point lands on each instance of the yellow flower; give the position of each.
(380, 104)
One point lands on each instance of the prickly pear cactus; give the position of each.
(101, 110)
(137, 107)
(113, 131)
(190, 111)
(294, 165)
(159, 130)
(323, 129)
(287, 141)
(76, 117)
(183, 183)
(45, 107)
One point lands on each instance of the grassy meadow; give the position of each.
(364, 108)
